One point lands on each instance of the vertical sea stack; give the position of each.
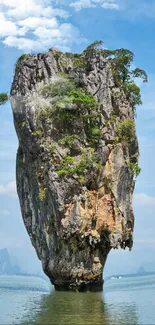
(77, 159)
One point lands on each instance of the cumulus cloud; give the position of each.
(20, 19)
(33, 25)
(143, 199)
(25, 8)
(109, 4)
(34, 22)
(7, 27)
(62, 37)
(8, 189)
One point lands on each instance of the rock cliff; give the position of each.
(76, 161)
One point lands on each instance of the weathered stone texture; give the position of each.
(74, 227)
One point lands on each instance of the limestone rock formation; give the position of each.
(75, 163)
(7, 264)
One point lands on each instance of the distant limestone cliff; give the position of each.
(6, 265)
(77, 159)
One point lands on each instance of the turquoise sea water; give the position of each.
(31, 300)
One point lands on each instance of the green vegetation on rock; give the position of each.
(38, 133)
(59, 87)
(81, 105)
(121, 61)
(139, 73)
(22, 58)
(72, 110)
(66, 166)
(79, 61)
(125, 131)
(83, 100)
(3, 98)
(135, 169)
(57, 54)
(52, 148)
(42, 193)
(94, 48)
(133, 93)
(70, 166)
(68, 140)
(93, 133)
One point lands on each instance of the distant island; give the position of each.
(141, 271)
(7, 267)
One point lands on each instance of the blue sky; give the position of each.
(36, 25)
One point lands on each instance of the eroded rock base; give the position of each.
(81, 286)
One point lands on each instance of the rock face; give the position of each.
(74, 176)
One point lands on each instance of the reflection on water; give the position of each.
(28, 301)
(73, 308)
(62, 308)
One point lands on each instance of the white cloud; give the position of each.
(24, 8)
(21, 20)
(61, 37)
(7, 27)
(44, 33)
(109, 4)
(24, 11)
(35, 25)
(143, 199)
(21, 43)
(8, 189)
(78, 5)
(34, 22)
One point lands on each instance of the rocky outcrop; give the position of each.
(74, 175)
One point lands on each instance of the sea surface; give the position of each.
(31, 300)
